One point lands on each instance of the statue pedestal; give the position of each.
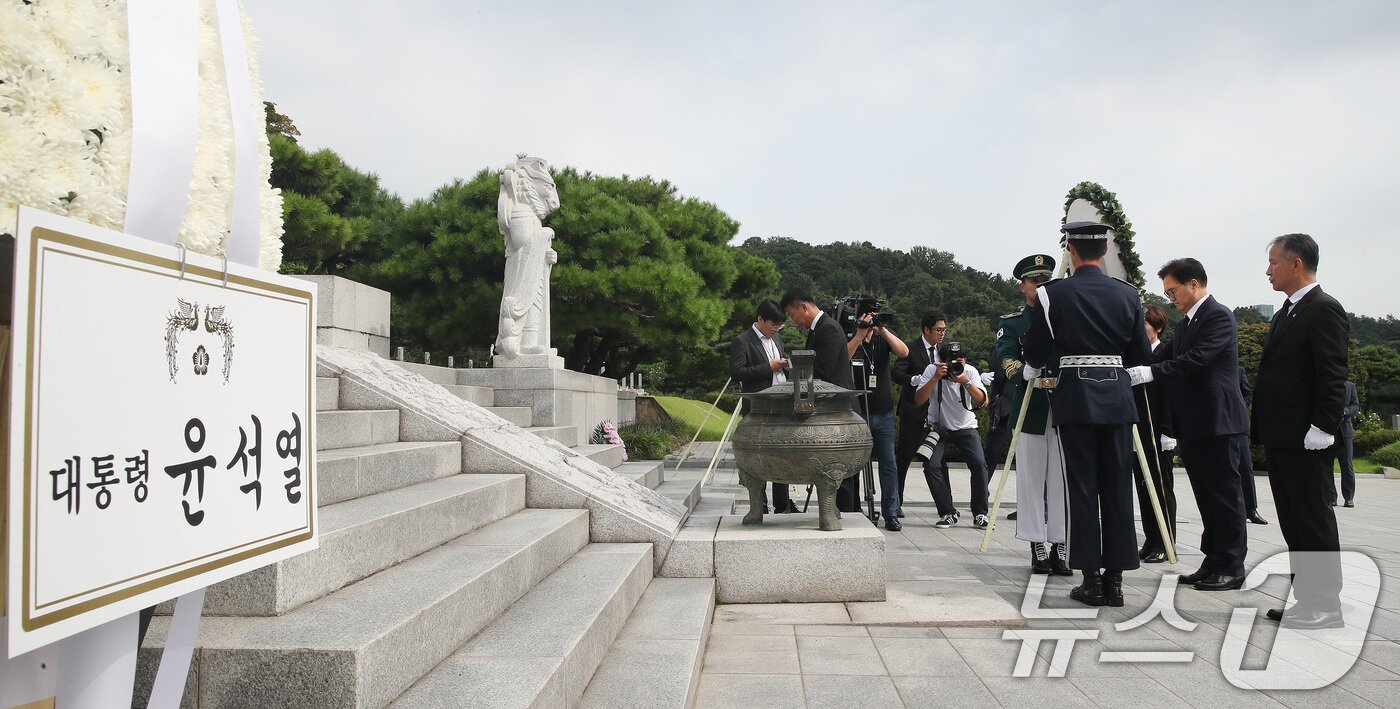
(556, 397)
(784, 560)
(528, 361)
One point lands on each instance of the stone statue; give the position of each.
(527, 196)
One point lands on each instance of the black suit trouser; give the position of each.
(911, 433)
(1213, 467)
(1099, 482)
(1163, 483)
(1341, 452)
(1251, 495)
(1302, 481)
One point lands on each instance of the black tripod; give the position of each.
(867, 474)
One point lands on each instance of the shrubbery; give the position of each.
(1388, 456)
(1367, 442)
(651, 441)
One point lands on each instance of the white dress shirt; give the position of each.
(771, 349)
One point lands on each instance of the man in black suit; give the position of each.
(1298, 400)
(1201, 366)
(1251, 493)
(826, 338)
(913, 416)
(1341, 451)
(756, 361)
(1155, 432)
(1095, 323)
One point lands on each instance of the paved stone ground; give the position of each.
(827, 655)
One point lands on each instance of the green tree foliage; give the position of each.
(333, 216)
(1245, 315)
(1375, 369)
(279, 123)
(913, 283)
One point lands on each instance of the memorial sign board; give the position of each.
(162, 430)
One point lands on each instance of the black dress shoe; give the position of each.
(1112, 585)
(1197, 577)
(892, 524)
(899, 514)
(1348, 503)
(1220, 582)
(1155, 557)
(1012, 515)
(1312, 619)
(1274, 614)
(1254, 518)
(1334, 503)
(1143, 552)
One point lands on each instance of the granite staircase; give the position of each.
(435, 585)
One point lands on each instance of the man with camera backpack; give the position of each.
(1041, 512)
(952, 389)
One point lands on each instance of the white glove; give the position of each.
(1168, 444)
(1317, 439)
(988, 378)
(1140, 375)
(1028, 372)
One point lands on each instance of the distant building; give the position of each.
(1265, 309)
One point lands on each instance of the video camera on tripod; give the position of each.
(847, 312)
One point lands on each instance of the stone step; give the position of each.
(365, 644)
(436, 374)
(568, 435)
(481, 396)
(348, 429)
(519, 415)
(655, 663)
(363, 536)
(715, 504)
(682, 490)
(327, 393)
(543, 651)
(347, 473)
(608, 455)
(647, 473)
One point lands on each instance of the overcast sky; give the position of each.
(958, 126)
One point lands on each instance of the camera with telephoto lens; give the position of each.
(925, 450)
(849, 310)
(952, 354)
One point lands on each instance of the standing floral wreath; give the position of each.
(606, 432)
(1107, 204)
(65, 123)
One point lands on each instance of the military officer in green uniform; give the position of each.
(1040, 476)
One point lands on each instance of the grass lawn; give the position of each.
(1361, 465)
(693, 414)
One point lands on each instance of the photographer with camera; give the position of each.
(870, 351)
(953, 390)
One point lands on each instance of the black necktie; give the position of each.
(1282, 313)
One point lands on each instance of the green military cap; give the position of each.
(1037, 265)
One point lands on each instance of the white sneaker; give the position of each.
(946, 521)
(980, 521)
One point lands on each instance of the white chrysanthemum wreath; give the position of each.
(65, 123)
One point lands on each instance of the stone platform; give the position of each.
(787, 559)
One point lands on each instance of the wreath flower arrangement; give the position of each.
(65, 123)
